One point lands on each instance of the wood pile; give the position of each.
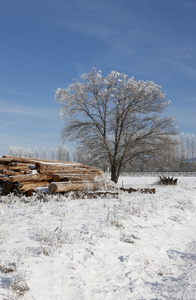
(168, 180)
(27, 175)
(143, 191)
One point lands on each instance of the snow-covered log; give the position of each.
(55, 187)
(25, 186)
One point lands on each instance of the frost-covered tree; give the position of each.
(187, 151)
(44, 154)
(20, 151)
(13, 151)
(193, 147)
(62, 153)
(53, 151)
(36, 152)
(116, 118)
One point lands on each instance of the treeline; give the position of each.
(181, 158)
(54, 153)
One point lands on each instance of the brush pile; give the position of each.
(29, 175)
(168, 180)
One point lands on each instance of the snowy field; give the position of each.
(139, 246)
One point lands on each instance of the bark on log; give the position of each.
(12, 173)
(72, 177)
(65, 168)
(72, 172)
(3, 167)
(5, 160)
(25, 167)
(55, 164)
(25, 186)
(21, 165)
(55, 187)
(30, 177)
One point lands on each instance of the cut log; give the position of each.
(55, 187)
(12, 173)
(3, 167)
(41, 164)
(30, 177)
(5, 178)
(21, 165)
(8, 187)
(2, 177)
(72, 172)
(25, 186)
(17, 168)
(72, 177)
(5, 160)
(64, 166)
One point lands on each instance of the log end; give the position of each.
(52, 188)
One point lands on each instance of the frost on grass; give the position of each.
(6, 267)
(19, 286)
(51, 241)
(182, 286)
(138, 246)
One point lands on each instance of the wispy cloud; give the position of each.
(10, 123)
(103, 20)
(18, 93)
(26, 111)
(184, 68)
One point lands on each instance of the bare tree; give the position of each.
(116, 118)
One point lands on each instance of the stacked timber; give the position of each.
(28, 175)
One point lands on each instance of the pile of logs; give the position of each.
(28, 175)
(168, 180)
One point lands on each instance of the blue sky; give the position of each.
(44, 44)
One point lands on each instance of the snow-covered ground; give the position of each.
(140, 246)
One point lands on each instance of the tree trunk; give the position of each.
(114, 176)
